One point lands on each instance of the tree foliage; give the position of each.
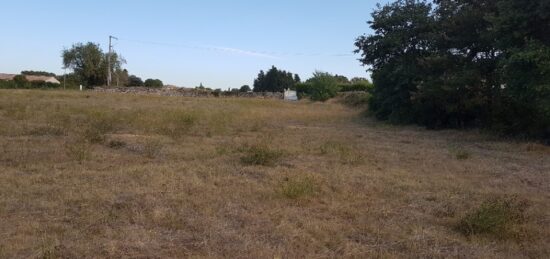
(89, 63)
(36, 73)
(21, 82)
(461, 63)
(275, 80)
(244, 89)
(121, 77)
(320, 87)
(134, 80)
(153, 83)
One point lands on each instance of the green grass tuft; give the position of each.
(495, 217)
(298, 188)
(261, 155)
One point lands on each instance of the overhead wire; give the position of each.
(271, 54)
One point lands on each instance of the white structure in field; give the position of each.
(291, 95)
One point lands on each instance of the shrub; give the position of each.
(21, 82)
(298, 188)
(357, 87)
(261, 155)
(217, 92)
(99, 124)
(322, 86)
(355, 99)
(496, 217)
(303, 90)
(7, 84)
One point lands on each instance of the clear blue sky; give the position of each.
(219, 43)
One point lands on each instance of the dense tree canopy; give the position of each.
(275, 80)
(245, 88)
(36, 73)
(89, 63)
(134, 80)
(153, 83)
(462, 63)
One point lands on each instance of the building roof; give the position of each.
(47, 79)
(6, 76)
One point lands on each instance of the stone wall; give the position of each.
(186, 92)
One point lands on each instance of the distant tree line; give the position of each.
(275, 80)
(37, 73)
(21, 82)
(320, 87)
(90, 65)
(462, 63)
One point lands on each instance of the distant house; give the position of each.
(6, 77)
(46, 79)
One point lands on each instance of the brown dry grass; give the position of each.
(96, 175)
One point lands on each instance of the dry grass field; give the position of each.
(98, 175)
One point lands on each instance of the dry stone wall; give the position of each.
(186, 92)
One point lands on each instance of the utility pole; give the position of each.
(109, 77)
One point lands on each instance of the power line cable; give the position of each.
(272, 54)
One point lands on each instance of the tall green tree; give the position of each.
(275, 80)
(403, 30)
(522, 32)
(89, 63)
(462, 63)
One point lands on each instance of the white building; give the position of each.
(291, 95)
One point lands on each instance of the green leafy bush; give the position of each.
(20, 82)
(359, 99)
(357, 87)
(321, 87)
